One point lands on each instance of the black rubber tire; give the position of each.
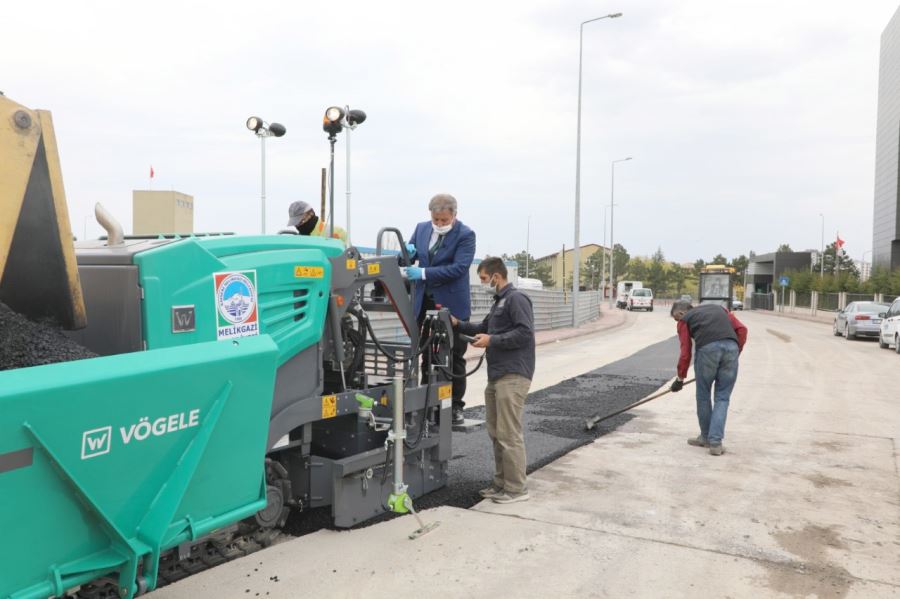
(897, 344)
(847, 334)
(835, 330)
(881, 342)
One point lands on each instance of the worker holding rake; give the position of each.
(719, 337)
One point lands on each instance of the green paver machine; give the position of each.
(225, 395)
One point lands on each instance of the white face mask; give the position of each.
(490, 285)
(442, 230)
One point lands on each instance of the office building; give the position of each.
(886, 225)
(162, 212)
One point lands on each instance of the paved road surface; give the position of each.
(806, 502)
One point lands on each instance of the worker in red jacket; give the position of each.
(719, 338)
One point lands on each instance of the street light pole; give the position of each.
(612, 254)
(527, 245)
(576, 263)
(822, 255)
(603, 259)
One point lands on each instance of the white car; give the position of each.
(890, 328)
(640, 299)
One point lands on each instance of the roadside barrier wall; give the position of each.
(552, 310)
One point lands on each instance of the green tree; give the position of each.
(536, 270)
(620, 261)
(720, 259)
(784, 247)
(698, 266)
(837, 262)
(594, 268)
(740, 265)
(678, 276)
(657, 274)
(637, 269)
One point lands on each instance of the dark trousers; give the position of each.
(458, 360)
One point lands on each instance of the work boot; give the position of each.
(698, 441)
(458, 416)
(507, 497)
(716, 449)
(489, 492)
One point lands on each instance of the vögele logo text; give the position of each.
(99, 441)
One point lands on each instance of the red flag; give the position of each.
(151, 171)
(840, 242)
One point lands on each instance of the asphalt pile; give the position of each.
(554, 424)
(26, 343)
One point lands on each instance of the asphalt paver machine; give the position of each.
(238, 378)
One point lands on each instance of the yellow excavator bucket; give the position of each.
(38, 273)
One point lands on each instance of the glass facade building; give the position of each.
(886, 225)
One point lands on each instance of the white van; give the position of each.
(530, 283)
(640, 299)
(623, 289)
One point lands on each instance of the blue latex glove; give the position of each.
(414, 273)
(411, 249)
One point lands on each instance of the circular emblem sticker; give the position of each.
(236, 298)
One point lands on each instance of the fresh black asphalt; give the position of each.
(554, 423)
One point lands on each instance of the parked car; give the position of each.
(640, 299)
(623, 289)
(736, 304)
(889, 331)
(859, 319)
(686, 298)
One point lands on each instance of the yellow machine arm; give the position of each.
(38, 273)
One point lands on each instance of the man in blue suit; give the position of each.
(444, 249)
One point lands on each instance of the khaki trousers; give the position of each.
(504, 402)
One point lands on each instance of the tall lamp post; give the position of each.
(337, 119)
(576, 264)
(263, 130)
(612, 245)
(822, 255)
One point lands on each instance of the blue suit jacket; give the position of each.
(447, 274)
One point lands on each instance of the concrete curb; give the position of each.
(808, 318)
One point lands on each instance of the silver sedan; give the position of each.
(859, 319)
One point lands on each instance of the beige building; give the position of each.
(166, 212)
(556, 261)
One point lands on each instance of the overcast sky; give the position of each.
(746, 120)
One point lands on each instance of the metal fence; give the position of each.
(762, 301)
(803, 299)
(829, 302)
(889, 299)
(860, 297)
(552, 310)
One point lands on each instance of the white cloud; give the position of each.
(746, 119)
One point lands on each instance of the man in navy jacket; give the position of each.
(444, 248)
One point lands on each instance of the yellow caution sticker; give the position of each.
(384, 399)
(351, 264)
(374, 269)
(309, 272)
(445, 391)
(329, 406)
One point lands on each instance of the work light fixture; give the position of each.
(263, 130)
